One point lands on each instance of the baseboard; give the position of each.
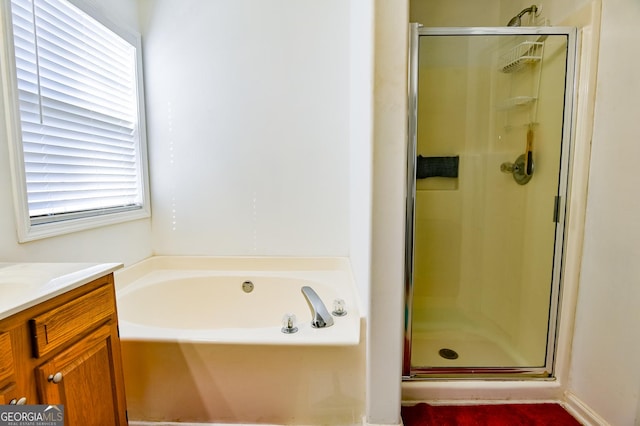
(140, 423)
(582, 412)
(365, 423)
(145, 423)
(485, 402)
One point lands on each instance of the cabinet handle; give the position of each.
(21, 401)
(55, 378)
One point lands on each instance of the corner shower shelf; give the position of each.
(519, 56)
(515, 102)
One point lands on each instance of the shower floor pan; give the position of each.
(438, 349)
(450, 342)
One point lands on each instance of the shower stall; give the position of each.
(490, 112)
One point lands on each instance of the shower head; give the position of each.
(516, 21)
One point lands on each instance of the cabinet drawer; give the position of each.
(62, 324)
(6, 359)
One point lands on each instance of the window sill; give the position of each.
(28, 232)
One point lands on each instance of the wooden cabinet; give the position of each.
(83, 376)
(6, 394)
(67, 351)
(7, 369)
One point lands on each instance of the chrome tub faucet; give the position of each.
(321, 316)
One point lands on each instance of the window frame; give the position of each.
(27, 230)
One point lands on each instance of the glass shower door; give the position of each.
(488, 165)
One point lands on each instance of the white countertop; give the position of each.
(23, 285)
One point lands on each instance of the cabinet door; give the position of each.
(84, 379)
(8, 394)
(8, 391)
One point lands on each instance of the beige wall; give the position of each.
(486, 13)
(456, 13)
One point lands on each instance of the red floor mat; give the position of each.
(487, 415)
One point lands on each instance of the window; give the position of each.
(75, 117)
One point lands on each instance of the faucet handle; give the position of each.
(339, 308)
(289, 324)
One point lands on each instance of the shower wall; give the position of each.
(457, 13)
(484, 244)
(486, 13)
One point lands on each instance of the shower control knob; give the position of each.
(55, 378)
(509, 167)
(517, 169)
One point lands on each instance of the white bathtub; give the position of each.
(202, 299)
(197, 348)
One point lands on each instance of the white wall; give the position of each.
(248, 118)
(361, 147)
(605, 372)
(126, 243)
(386, 313)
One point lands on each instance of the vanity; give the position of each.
(59, 340)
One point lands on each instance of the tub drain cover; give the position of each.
(448, 353)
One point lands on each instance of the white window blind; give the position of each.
(78, 102)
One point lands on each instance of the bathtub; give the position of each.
(197, 348)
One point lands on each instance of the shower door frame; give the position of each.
(547, 371)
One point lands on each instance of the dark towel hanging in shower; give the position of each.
(427, 167)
